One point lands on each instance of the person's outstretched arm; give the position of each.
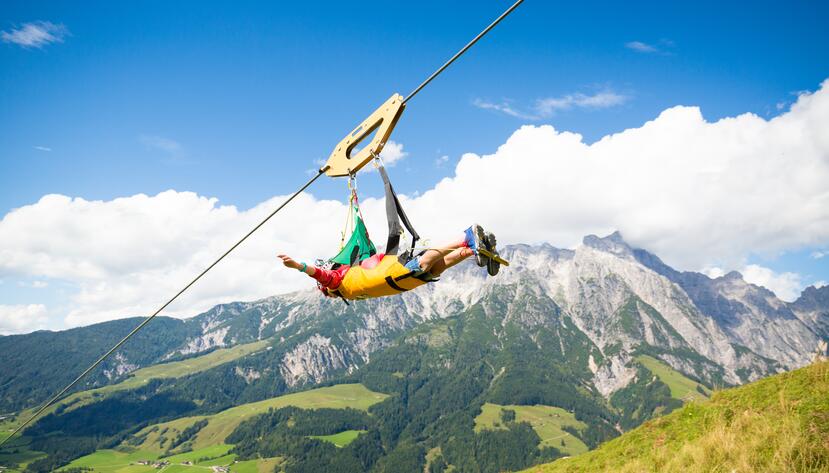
(326, 278)
(290, 263)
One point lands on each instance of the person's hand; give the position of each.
(289, 262)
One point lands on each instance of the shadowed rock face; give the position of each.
(750, 315)
(812, 307)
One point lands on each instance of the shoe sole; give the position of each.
(480, 238)
(492, 266)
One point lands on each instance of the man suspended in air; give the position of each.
(383, 274)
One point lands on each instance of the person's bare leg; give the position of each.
(454, 257)
(433, 256)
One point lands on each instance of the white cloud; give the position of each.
(392, 153)
(127, 255)
(549, 106)
(22, 318)
(699, 194)
(36, 34)
(42, 148)
(40, 284)
(819, 254)
(167, 145)
(663, 47)
(605, 99)
(641, 47)
(443, 159)
(503, 107)
(787, 286)
(820, 284)
(713, 272)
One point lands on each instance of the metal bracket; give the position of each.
(381, 122)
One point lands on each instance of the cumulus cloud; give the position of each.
(549, 106)
(392, 153)
(125, 256)
(699, 194)
(820, 284)
(786, 286)
(22, 318)
(36, 34)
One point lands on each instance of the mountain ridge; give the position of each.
(595, 280)
(601, 331)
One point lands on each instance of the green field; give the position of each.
(262, 465)
(681, 387)
(222, 424)
(547, 421)
(340, 439)
(209, 442)
(123, 461)
(779, 424)
(114, 461)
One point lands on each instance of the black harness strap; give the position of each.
(394, 215)
(393, 285)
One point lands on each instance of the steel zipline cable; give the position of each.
(320, 172)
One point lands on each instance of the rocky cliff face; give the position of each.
(622, 299)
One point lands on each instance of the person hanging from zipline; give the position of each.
(360, 272)
(385, 274)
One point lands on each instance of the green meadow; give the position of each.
(547, 421)
(340, 439)
(681, 387)
(222, 424)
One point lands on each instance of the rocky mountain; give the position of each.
(603, 331)
(722, 331)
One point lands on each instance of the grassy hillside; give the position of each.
(779, 424)
(138, 378)
(220, 425)
(340, 439)
(208, 447)
(142, 376)
(681, 387)
(547, 421)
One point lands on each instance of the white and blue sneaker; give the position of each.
(475, 238)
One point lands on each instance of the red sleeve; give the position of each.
(328, 278)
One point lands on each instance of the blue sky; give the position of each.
(238, 100)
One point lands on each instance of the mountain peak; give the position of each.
(733, 275)
(613, 243)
